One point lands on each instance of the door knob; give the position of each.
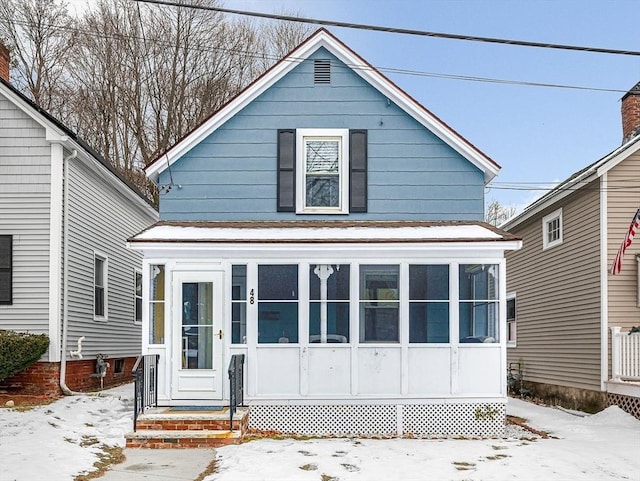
(220, 334)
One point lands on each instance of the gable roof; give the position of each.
(68, 137)
(323, 38)
(575, 181)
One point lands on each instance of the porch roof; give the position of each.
(322, 232)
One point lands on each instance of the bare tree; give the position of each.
(497, 213)
(133, 79)
(39, 35)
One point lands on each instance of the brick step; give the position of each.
(173, 439)
(182, 424)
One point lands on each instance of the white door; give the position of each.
(197, 360)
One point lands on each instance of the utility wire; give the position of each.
(392, 70)
(404, 31)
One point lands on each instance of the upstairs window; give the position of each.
(552, 229)
(322, 171)
(6, 262)
(322, 182)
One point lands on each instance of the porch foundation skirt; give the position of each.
(470, 419)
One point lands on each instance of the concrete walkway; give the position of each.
(160, 465)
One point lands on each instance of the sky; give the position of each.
(61, 440)
(539, 135)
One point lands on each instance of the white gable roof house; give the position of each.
(65, 271)
(322, 242)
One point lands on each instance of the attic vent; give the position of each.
(321, 71)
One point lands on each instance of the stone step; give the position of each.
(165, 419)
(172, 439)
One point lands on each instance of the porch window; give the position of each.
(100, 267)
(137, 296)
(329, 303)
(428, 303)
(478, 302)
(277, 304)
(379, 303)
(511, 319)
(239, 305)
(156, 304)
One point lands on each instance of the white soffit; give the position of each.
(323, 38)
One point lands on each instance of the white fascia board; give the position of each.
(603, 166)
(618, 155)
(567, 190)
(368, 73)
(104, 173)
(375, 252)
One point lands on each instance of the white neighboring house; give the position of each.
(65, 271)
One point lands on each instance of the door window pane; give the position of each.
(197, 325)
(379, 306)
(478, 303)
(277, 304)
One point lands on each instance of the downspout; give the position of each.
(65, 272)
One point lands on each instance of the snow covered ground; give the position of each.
(63, 439)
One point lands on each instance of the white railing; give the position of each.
(625, 355)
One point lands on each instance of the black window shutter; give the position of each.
(286, 170)
(357, 171)
(6, 247)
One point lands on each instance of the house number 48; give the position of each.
(252, 298)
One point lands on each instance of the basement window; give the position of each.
(118, 366)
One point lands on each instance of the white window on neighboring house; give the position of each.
(511, 319)
(322, 183)
(100, 270)
(552, 229)
(138, 297)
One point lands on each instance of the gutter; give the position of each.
(65, 275)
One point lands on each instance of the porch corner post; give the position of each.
(615, 353)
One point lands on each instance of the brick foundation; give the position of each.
(43, 378)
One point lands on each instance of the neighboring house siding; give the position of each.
(25, 194)
(101, 219)
(622, 202)
(558, 296)
(412, 174)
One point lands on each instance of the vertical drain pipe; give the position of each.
(65, 272)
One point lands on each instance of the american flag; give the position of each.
(628, 239)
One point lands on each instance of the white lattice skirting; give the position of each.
(474, 419)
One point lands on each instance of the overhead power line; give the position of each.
(390, 70)
(404, 31)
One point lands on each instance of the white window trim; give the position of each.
(512, 343)
(137, 272)
(545, 229)
(343, 207)
(105, 273)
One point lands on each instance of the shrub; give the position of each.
(18, 351)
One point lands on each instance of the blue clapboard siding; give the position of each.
(412, 174)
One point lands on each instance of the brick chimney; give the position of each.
(631, 113)
(4, 62)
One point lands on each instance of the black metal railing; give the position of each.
(236, 385)
(145, 375)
